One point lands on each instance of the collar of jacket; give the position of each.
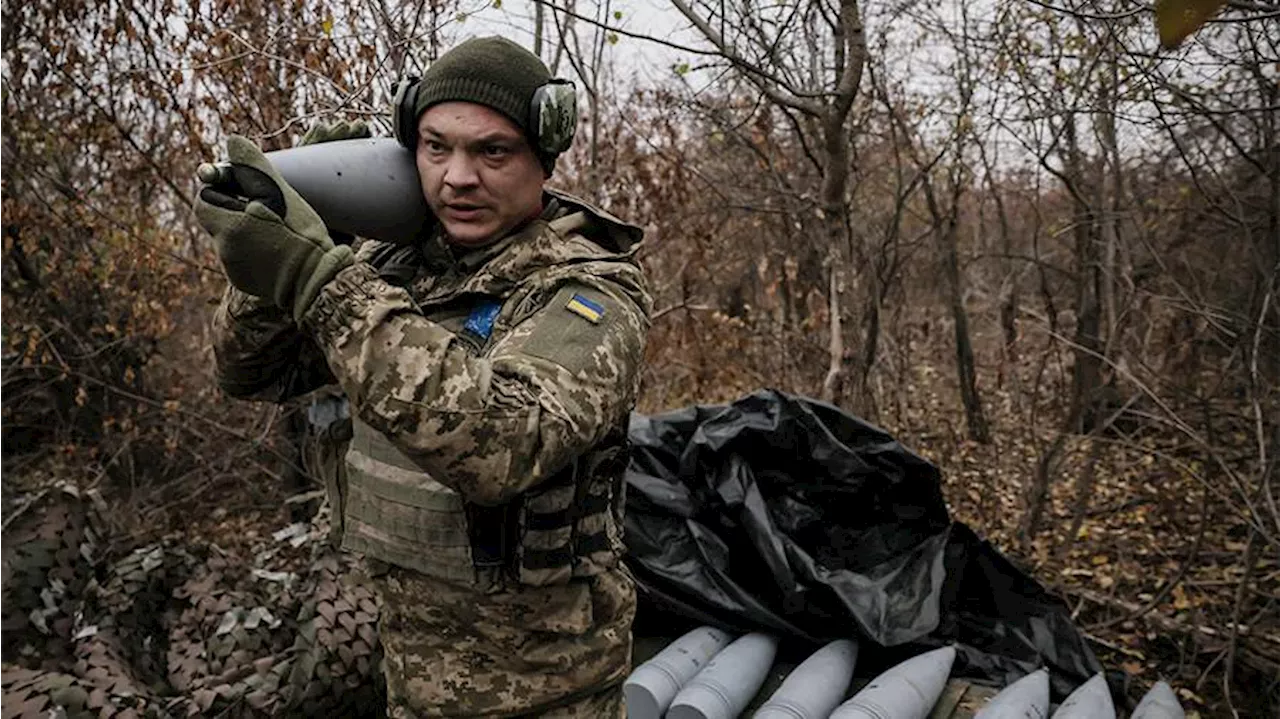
(471, 260)
(568, 231)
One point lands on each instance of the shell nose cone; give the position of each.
(814, 688)
(906, 691)
(1159, 703)
(366, 187)
(1027, 698)
(1091, 700)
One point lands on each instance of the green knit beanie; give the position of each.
(490, 71)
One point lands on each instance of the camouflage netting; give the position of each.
(49, 558)
(172, 630)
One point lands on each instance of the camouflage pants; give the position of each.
(605, 705)
(455, 651)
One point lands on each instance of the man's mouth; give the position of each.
(464, 211)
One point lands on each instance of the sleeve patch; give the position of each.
(593, 312)
(556, 335)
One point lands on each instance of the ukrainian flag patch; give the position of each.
(593, 312)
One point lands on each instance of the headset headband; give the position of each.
(552, 120)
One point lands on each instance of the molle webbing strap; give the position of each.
(544, 554)
(593, 504)
(598, 544)
(567, 524)
(493, 531)
(397, 513)
(596, 531)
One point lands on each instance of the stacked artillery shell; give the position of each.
(906, 691)
(729, 682)
(1027, 698)
(1091, 700)
(1159, 703)
(366, 187)
(651, 687)
(815, 687)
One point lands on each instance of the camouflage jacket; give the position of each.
(492, 410)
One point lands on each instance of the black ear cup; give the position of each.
(404, 123)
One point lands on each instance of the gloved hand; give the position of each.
(333, 131)
(271, 242)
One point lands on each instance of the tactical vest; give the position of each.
(565, 527)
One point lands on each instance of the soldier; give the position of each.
(490, 367)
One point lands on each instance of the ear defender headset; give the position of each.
(552, 120)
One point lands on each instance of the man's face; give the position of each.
(479, 174)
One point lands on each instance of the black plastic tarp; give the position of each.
(783, 514)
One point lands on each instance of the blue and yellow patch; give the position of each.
(480, 321)
(593, 312)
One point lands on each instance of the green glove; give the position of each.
(271, 243)
(333, 131)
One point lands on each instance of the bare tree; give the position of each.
(785, 56)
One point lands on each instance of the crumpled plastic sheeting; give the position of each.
(783, 514)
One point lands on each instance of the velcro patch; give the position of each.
(591, 311)
(480, 321)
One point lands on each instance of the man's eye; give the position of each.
(433, 146)
(496, 151)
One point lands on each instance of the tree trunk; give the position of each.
(825, 120)
(1085, 484)
(945, 230)
(974, 417)
(1269, 267)
(835, 183)
(1086, 374)
(863, 397)
(1038, 492)
(851, 54)
(1009, 288)
(1109, 202)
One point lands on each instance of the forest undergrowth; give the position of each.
(1151, 571)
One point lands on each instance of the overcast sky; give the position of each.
(635, 60)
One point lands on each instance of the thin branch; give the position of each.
(1259, 421)
(627, 33)
(682, 305)
(21, 509)
(1091, 16)
(795, 99)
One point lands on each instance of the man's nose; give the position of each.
(460, 171)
